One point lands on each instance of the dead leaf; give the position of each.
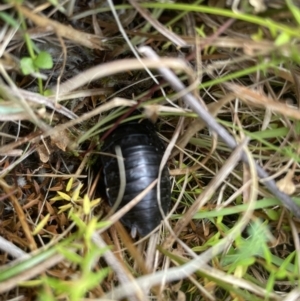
(152, 112)
(286, 184)
(43, 153)
(181, 296)
(61, 139)
(259, 5)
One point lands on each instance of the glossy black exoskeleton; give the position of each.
(142, 151)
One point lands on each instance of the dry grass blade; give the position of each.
(34, 98)
(83, 93)
(112, 68)
(158, 26)
(35, 137)
(21, 215)
(293, 295)
(197, 125)
(257, 99)
(115, 217)
(11, 146)
(9, 248)
(18, 102)
(82, 38)
(177, 273)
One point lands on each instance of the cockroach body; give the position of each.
(142, 151)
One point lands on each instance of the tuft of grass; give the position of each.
(69, 72)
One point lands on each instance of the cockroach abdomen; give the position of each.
(142, 151)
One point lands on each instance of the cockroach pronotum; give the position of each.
(142, 151)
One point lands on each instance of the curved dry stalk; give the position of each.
(294, 295)
(20, 101)
(200, 262)
(84, 93)
(111, 68)
(21, 215)
(116, 216)
(36, 99)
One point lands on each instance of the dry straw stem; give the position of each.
(295, 238)
(7, 148)
(198, 124)
(20, 100)
(257, 99)
(114, 67)
(33, 99)
(294, 295)
(195, 105)
(250, 47)
(82, 38)
(162, 164)
(177, 273)
(12, 249)
(171, 36)
(130, 246)
(84, 93)
(21, 215)
(10, 167)
(37, 136)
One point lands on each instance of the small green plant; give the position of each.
(248, 249)
(75, 203)
(42, 60)
(84, 258)
(37, 59)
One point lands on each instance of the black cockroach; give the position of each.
(142, 151)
